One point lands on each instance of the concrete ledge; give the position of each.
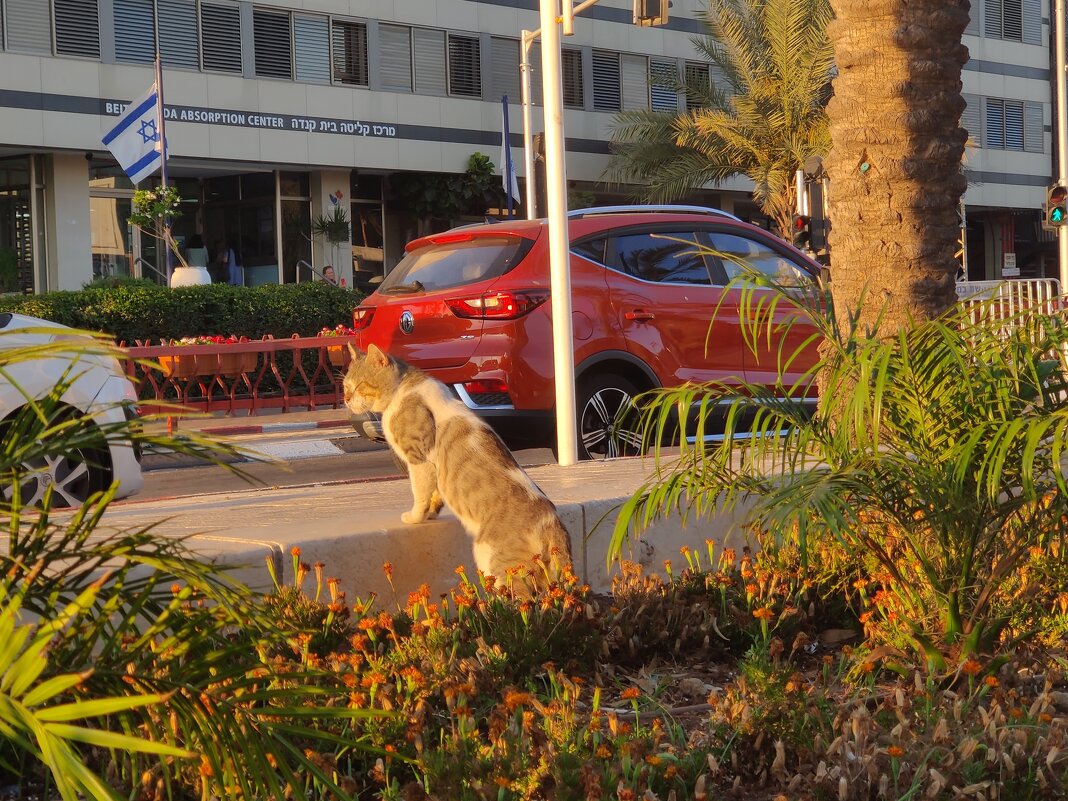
(353, 529)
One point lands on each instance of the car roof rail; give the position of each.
(590, 212)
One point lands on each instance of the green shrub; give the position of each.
(141, 312)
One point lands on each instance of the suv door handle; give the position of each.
(639, 315)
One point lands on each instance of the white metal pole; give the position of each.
(1062, 132)
(559, 250)
(525, 41)
(161, 128)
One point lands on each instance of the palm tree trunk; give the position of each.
(895, 160)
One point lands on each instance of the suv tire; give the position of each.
(608, 421)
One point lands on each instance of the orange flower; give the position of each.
(764, 613)
(971, 667)
(603, 752)
(991, 681)
(631, 693)
(895, 751)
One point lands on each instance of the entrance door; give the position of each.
(16, 227)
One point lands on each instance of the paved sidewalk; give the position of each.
(354, 527)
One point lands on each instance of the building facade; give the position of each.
(279, 112)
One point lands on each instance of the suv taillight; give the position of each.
(361, 317)
(498, 305)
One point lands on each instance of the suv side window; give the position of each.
(592, 249)
(666, 257)
(738, 254)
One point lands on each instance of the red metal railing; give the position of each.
(282, 374)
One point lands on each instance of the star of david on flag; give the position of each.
(135, 140)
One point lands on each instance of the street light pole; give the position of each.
(526, 39)
(559, 246)
(1062, 132)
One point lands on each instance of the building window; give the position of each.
(504, 77)
(221, 27)
(311, 49)
(699, 82)
(179, 42)
(1014, 20)
(273, 44)
(606, 87)
(634, 81)
(135, 31)
(77, 28)
(971, 119)
(350, 52)
(29, 26)
(571, 77)
(1013, 125)
(465, 67)
(663, 75)
(395, 57)
(428, 48)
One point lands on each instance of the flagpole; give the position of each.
(507, 166)
(160, 126)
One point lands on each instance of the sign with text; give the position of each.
(280, 122)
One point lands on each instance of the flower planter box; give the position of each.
(234, 364)
(339, 355)
(180, 366)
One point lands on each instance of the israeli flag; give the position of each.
(135, 139)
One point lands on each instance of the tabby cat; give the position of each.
(454, 458)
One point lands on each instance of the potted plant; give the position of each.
(338, 354)
(334, 228)
(152, 211)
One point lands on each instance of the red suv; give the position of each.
(470, 307)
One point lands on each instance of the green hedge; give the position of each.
(138, 312)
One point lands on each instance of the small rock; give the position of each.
(1060, 700)
(693, 687)
(833, 637)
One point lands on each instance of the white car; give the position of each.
(98, 388)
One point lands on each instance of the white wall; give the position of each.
(66, 179)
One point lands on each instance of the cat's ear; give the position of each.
(377, 357)
(355, 354)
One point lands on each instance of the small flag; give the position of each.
(508, 179)
(135, 139)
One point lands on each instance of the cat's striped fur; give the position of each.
(453, 457)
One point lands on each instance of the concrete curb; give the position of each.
(274, 428)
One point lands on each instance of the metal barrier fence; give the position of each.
(1007, 298)
(248, 376)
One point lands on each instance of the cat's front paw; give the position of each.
(412, 517)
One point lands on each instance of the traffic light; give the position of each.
(1057, 205)
(651, 12)
(802, 238)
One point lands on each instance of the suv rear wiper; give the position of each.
(400, 289)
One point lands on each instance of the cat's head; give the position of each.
(371, 380)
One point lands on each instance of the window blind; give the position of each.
(395, 59)
(429, 50)
(179, 44)
(311, 49)
(77, 27)
(606, 85)
(273, 45)
(221, 37)
(465, 69)
(350, 52)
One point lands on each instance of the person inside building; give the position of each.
(227, 259)
(328, 275)
(196, 255)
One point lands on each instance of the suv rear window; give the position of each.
(449, 264)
